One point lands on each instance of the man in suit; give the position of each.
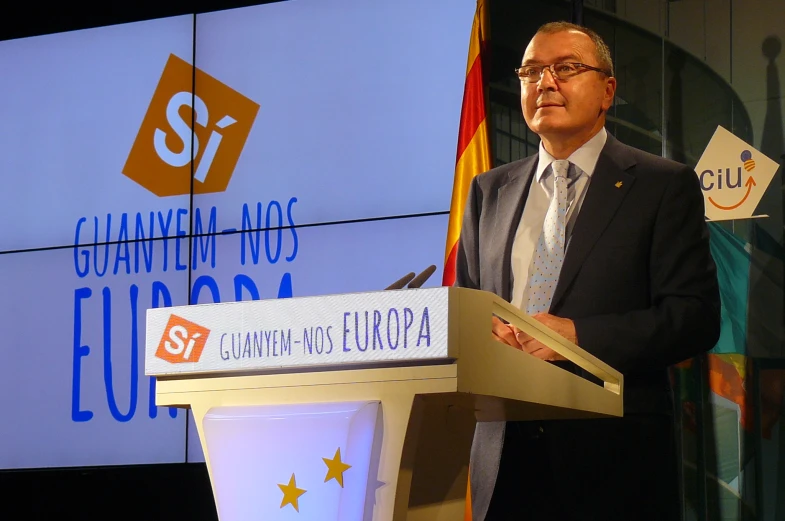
(607, 245)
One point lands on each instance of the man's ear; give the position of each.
(610, 92)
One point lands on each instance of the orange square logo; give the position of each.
(183, 341)
(166, 155)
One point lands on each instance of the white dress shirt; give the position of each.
(528, 232)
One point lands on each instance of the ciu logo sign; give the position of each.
(182, 341)
(166, 154)
(733, 177)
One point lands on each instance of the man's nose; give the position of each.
(547, 81)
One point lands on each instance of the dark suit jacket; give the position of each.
(638, 279)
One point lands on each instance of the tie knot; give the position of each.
(560, 167)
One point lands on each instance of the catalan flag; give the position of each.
(474, 151)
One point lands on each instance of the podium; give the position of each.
(358, 406)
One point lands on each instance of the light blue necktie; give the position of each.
(549, 256)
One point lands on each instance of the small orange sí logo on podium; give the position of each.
(182, 342)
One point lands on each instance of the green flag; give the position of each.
(732, 257)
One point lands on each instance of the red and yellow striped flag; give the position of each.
(474, 151)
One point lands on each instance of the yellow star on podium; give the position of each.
(335, 468)
(291, 494)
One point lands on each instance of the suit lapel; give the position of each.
(511, 199)
(602, 200)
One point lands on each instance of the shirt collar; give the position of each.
(585, 158)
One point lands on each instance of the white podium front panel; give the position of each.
(303, 461)
(335, 330)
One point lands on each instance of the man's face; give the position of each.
(563, 109)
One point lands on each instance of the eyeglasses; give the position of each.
(560, 71)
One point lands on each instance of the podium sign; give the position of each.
(338, 330)
(359, 406)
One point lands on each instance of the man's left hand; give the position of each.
(562, 326)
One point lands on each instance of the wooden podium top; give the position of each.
(413, 334)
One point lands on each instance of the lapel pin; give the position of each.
(618, 184)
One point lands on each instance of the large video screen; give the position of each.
(350, 107)
(72, 104)
(296, 148)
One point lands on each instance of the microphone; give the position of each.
(420, 279)
(398, 284)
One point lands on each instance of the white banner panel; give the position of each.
(358, 328)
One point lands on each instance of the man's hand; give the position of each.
(505, 333)
(561, 326)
